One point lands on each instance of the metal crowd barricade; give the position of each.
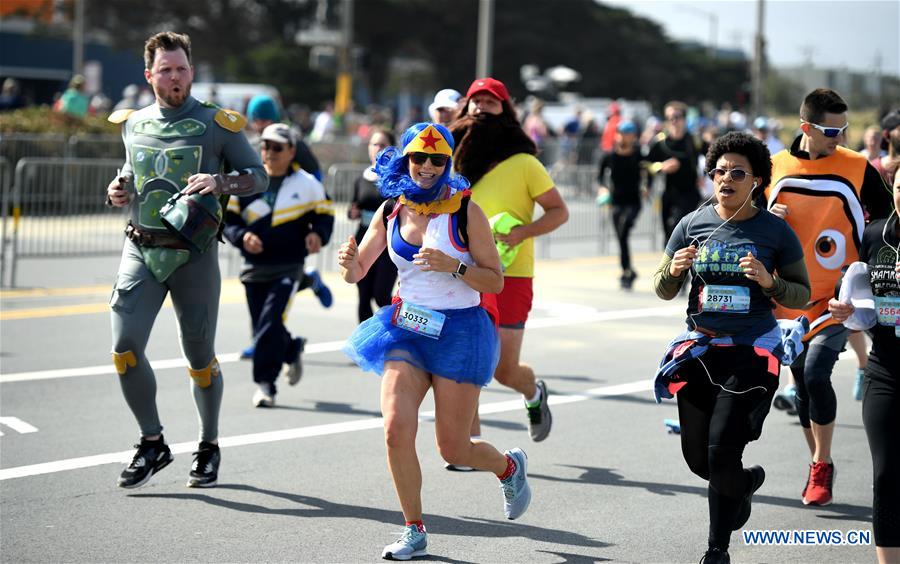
(58, 210)
(16, 146)
(5, 199)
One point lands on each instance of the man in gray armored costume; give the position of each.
(175, 153)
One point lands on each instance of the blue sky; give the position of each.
(829, 33)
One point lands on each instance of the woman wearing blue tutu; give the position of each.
(438, 333)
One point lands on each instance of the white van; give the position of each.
(232, 95)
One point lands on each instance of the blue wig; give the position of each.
(392, 167)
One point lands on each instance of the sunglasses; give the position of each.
(674, 118)
(830, 132)
(436, 159)
(736, 174)
(273, 147)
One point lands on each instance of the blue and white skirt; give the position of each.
(467, 350)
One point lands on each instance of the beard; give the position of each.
(171, 98)
(484, 140)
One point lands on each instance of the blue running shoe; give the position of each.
(247, 353)
(858, 384)
(786, 400)
(412, 543)
(320, 289)
(516, 491)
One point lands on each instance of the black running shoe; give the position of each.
(716, 556)
(757, 476)
(205, 470)
(540, 420)
(150, 458)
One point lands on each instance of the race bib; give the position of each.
(420, 320)
(725, 299)
(887, 309)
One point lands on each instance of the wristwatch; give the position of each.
(460, 270)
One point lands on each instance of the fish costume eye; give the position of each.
(831, 249)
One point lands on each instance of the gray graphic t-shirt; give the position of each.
(721, 298)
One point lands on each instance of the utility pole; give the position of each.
(344, 87)
(758, 72)
(78, 39)
(485, 38)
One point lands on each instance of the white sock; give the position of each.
(536, 398)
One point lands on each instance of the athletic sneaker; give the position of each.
(539, 417)
(320, 289)
(515, 488)
(412, 543)
(757, 476)
(295, 369)
(858, 384)
(626, 281)
(458, 467)
(819, 484)
(786, 400)
(716, 556)
(247, 353)
(263, 398)
(205, 470)
(150, 458)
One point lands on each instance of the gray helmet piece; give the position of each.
(194, 218)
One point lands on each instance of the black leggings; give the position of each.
(623, 220)
(716, 426)
(376, 285)
(816, 400)
(881, 417)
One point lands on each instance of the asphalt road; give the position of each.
(307, 481)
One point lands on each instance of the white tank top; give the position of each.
(434, 290)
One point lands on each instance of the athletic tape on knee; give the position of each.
(123, 360)
(203, 377)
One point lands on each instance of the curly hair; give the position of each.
(747, 146)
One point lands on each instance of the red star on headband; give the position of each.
(430, 141)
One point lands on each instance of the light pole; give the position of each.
(758, 72)
(485, 37)
(78, 39)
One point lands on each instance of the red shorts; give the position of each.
(514, 302)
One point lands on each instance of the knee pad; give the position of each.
(203, 377)
(122, 361)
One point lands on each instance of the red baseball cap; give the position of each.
(489, 85)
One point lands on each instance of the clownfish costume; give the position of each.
(824, 200)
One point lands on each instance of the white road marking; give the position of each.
(307, 432)
(17, 425)
(563, 314)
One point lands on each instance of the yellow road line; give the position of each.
(57, 311)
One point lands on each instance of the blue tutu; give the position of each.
(467, 351)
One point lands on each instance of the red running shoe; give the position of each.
(819, 484)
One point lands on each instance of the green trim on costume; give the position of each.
(188, 127)
(162, 262)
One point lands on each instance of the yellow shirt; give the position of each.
(512, 187)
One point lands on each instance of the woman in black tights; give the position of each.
(725, 367)
(378, 283)
(881, 387)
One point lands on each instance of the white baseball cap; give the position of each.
(279, 133)
(446, 98)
